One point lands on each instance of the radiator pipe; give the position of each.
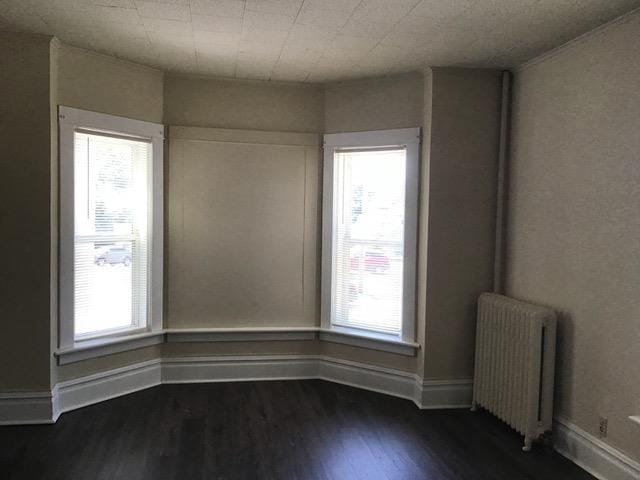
(499, 257)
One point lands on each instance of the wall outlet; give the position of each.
(602, 428)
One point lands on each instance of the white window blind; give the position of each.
(368, 238)
(112, 201)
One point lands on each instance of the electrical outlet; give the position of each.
(602, 428)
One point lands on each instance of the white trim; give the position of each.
(326, 260)
(244, 137)
(26, 408)
(99, 387)
(592, 454)
(412, 191)
(45, 407)
(179, 335)
(370, 340)
(66, 241)
(100, 347)
(156, 228)
(368, 377)
(409, 138)
(70, 120)
(109, 123)
(432, 394)
(288, 367)
(426, 395)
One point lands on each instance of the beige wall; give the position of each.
(242, 228)
(252, 348)
(104, 84)
(574, 220)
(26, 166)
(461, 157)
(249, 105)
(374, 104)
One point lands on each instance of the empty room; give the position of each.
(320, 239)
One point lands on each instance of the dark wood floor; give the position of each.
(272, 430)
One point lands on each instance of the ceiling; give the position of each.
(312, 40)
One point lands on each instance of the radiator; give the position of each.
(514, 364)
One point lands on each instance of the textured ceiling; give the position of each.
(312, 40)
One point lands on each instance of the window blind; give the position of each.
(111, 237)
(368, 243)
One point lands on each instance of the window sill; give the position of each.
(100, 347)
(370, 340)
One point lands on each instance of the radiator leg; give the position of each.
(528, 441)
(474, 407)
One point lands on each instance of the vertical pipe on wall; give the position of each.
(501, 204)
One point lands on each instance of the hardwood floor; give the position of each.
(272, 430)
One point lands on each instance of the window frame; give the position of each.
(408, 138)
(71, 120)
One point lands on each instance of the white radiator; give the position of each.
(514, 366)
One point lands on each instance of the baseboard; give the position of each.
(368, 377)
(26, 408)
(288, 367)
(69, 395)
(99, 387)
(592, 454)
(434, 394)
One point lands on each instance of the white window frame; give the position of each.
(408, 138)
(71, 120)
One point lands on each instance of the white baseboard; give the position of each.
(45, 407)
(592, 454)
(443, 393)
(26, 408)
(368, 377)
(99, 387)
(289, 367)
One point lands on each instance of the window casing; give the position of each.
(370, 192)
(110, 227)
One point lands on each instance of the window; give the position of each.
(369, 233)
(111, 226)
